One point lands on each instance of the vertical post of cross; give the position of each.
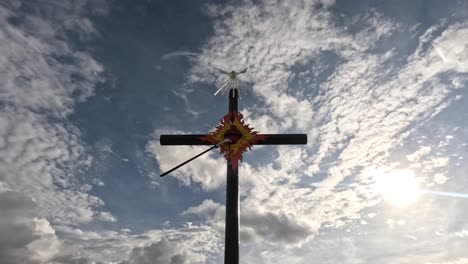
(231, 250)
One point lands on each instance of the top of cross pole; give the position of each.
(233, 100)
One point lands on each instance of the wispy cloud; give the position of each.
(42, 77)
(191, 243)
(179, 53)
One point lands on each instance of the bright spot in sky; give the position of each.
(398, 187)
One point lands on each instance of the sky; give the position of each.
(380, 88)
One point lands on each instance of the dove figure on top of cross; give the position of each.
(232, 82)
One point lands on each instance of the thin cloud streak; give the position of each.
(175, 54)
(446, 194)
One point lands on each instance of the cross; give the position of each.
(232, 136)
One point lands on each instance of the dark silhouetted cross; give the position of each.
(227, 140)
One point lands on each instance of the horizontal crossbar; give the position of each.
(271, 139)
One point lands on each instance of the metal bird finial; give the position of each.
(232, 82)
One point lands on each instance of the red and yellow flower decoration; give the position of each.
(241, 137)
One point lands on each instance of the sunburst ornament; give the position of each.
(240, 135)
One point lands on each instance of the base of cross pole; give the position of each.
(231, 244)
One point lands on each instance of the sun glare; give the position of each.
(398, 187)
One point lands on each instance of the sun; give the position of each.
(398, 187)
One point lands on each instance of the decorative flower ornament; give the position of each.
(241, 137)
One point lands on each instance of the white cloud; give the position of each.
(163, 251)
(32, 76)
(206, 209)
(393, 223)
(106, 216)
(452, 48)
(276, 227)
(48, 245)
(338, 249)
(440, 178)
(435, 163)
(416, 156)
(38, 155)
(25, 238)
(192, 243)
(458, 261)
(462, 233)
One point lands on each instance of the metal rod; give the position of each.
(189, 160)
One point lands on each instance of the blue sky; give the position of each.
(379, 87)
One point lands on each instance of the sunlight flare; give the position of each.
(398, 187)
